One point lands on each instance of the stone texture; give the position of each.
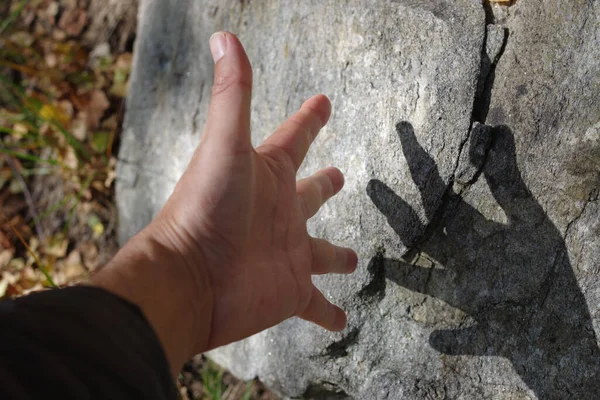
(479, 274)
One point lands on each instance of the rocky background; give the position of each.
(469, 134)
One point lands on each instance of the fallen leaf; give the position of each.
(73, 258)
(69, 4)
(52, 11)
(100, 141)
(110, 178)
(89, 251)
(121, 75)
(73, 21)
(16, 264)
(15, 186)
(96, 224)
(3, 287)
(35, 288)
(19, 130)
(73, 271)
(54, 114)
(101, 57)
(79, 126)
(124, 62)
(56, 246)
(5, 256)
(72, 266)
(22, 39)
(59, 35)
(96, 107)
(7, 280)
(111, 123)
(29, 278)
(70, 159)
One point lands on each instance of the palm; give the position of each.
(269, 254)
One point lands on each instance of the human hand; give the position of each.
(235, 226)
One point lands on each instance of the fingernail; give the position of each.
(218, 45)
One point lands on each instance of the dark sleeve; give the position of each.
(80, 343)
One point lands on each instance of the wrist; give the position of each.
(170, 287)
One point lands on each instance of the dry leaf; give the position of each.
(96, 224)
(79, 126)
(56, 247)
(35, 288)
(89, 251)
(22, 39)
(73, 271)
(19, 130)
(55, 114)
(29, 278)
(111, 123)
(51, 60)
(16, 264)
(6, 282)
(73, 21)
(69, 4)
(74, 258)
(3, 287)
(70, 159)
(59, 35)
(72, 267)
(96, 107)
(5, 256)
(52, 10)
(110, 178)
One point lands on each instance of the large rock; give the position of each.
(479, 245)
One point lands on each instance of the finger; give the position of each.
(296, 134)
(330, 259)
(321, 312)
(318, 188)
(228, 123)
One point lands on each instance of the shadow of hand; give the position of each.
(514, 279)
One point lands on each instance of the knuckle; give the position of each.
(331, 254)
(326, 187)
(228, 81)
(306, 209)
(279, 159)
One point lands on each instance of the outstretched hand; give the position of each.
(231, 244)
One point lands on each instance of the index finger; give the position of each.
(296, 134)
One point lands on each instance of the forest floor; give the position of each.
(64, 71)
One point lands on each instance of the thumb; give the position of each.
(228, 124)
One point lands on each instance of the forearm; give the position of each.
(84, 343)
(178, 304)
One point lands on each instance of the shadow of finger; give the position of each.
(423, 169)
(399, 214)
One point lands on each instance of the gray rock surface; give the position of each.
(480, 272)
